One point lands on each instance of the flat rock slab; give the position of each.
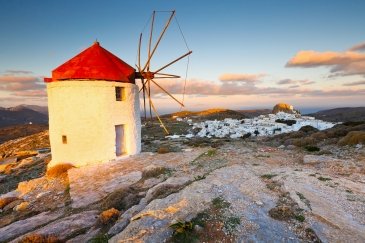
(66, 227)
(337, 206)
(319, 159)
(92, 183)
(23, 226)
(235, 184)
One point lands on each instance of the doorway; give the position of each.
(119, 140)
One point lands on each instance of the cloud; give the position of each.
(358, 47)
(20, 83)
(344, 63)
(315, 59)
(210, 88)
(355, 83)
(286, 81)
(241, 77)
(291, 81)
(31, 93)
(18, 72)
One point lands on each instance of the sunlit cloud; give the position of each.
(17, 72)
(31, 93)
(344, 63)
(358, 47)
(241, 77)
(20, 83)
(355, 83)
(211, 88)
(288, 81)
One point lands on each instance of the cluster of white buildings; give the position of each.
(263, 125)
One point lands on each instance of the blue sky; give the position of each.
(227, 37)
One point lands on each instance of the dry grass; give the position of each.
(58, 170)
(37, 238)
(5, 201)
(352, 138)
(109, 216)
(163, 150)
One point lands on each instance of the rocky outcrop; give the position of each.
(284, 108)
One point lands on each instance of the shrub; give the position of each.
(319, 136)
(37, 238)
(287, 122)
(268, 176)
(310, 148)
(352, 138)
(109, 216)
(58, 170)
(308, 129)
(300, 218)
(163, 150)
(5, 201)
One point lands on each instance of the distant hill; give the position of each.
(341, 114)
(20, 115)
(37, 108)
(210, 114)
(18, 131)
(255, 113)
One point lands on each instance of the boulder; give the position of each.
(318, 159)
(284, 108)
(65, 228)
(21, 227)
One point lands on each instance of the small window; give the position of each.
(64, 139)
(119, 93)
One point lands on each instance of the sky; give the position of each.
(246, 54)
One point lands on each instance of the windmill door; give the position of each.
(119, 140)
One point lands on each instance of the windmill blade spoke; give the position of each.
(139, 52)
(150, 41)
(176, 60)
(158, 41)
(168, 75)
(155, 111)
(149, 95)
(164, 90)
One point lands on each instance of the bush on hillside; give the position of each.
(58, 170)
(352, 138)
(109, 216)
(38, 238)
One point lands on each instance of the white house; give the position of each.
(93, 105)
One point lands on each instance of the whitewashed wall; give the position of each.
(87, 112)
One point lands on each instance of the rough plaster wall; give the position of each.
(87, 112)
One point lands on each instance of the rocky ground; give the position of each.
(306, 186)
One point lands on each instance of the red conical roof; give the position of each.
(94, 63)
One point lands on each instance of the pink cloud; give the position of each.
(341, 63)
(297, 82)
(210, 88)
(314, 59)
(31, 93)
(358, 47)
(19, 83)
(242, 77)
(355, 83)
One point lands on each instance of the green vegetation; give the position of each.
(183, 232)
(220, 203)
(324, 178)
(211, 152)
(299, 217)
(311, 148)
(231, 223)
(199, 177)
(268, 176)
(100, 238)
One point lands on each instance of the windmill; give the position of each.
(149, 77)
